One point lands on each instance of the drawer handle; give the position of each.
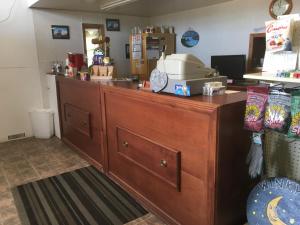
(125, 144)
(84, 124)
(163, 163)
(69, 115)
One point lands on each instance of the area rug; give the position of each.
(80, 197)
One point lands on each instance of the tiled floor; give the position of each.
(32, 159)
(148, 219)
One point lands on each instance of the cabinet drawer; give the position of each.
(78, 119)
(160, 161)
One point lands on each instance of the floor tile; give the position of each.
(32, 159)
(148, 219)
(6, 200)
(12, 221)
(8, 213)
(3, 184)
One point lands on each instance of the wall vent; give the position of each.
(16, 136)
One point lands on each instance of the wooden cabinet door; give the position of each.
(164, 154)
(81, 116)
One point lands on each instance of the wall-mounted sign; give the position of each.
(190, 39)
(274, 202)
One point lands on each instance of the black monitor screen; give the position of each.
(232, 66)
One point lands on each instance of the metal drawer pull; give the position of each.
(163, 163)
(84, 124)
(125, 144)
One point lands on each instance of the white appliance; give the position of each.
(53, 104)
(182, 74)
(183, 67)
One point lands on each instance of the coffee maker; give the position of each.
(74, 62)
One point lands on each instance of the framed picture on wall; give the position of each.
(112, 24)
(60, 32)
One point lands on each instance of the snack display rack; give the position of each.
(281, 153)
(282, 156)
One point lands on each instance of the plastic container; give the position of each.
(42, 123)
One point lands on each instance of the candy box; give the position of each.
(255, 108)
(279, 34)
(278, 111)
(294, 131)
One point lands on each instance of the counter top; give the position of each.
(123, 86)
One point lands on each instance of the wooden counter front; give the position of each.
(80, 117)
(182, 158)
(206, 133)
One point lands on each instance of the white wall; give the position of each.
(19, 77)
(50, 50)
(223, 28)
(27, 47)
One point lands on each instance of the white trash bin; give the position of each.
(42, 123)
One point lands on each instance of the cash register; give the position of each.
(182, 74)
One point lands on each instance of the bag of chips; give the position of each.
(278, 111)
(279, 34)
(255, 108)
(294, 131)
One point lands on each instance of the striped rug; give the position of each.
(81, 197)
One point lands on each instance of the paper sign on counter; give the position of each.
(283, 61)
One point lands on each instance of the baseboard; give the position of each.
(3, 139)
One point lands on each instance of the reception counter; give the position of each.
(182, 158)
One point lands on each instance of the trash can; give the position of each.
(42, 123)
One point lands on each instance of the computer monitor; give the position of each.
(232, 66)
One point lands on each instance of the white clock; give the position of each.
(280, 7)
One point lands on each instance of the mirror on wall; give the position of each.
(90, 32)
